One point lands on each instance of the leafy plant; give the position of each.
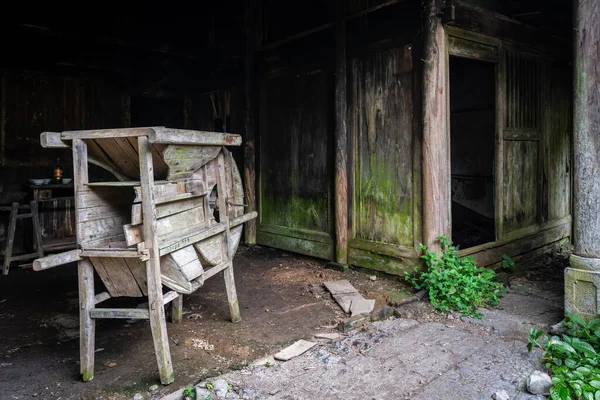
(210, 386)
(507, 262)
(189, 392)
(455, 283)
(573, 359)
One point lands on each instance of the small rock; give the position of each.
(558, 329)
(249, 394)
(501, 395)
(153, 388)
(329, 336)
(373, 277)
(221, 387)
(539, 383)
(34, 395)
(138, 396)
(202, 393)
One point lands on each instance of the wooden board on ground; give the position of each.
(298, 348)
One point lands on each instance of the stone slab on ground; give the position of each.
(345, 300)
(340, 287)
(361, 306)
(298, 348)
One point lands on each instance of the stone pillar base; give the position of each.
(582, 287)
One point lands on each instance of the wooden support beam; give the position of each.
(341, 138)
(436, 144)
(120, 313)
(100, 297)
(586, 130)
(105, 133)
(169, 297)
(54, 260)
(158, 323)
(250, 122)
(200, 138)
(52, 140)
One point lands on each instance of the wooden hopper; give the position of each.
(173, 217)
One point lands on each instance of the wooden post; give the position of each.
(341, 138)
(234, 308)
(250, 89)
(177, 309)
(435, 148)
(155, 298)
(586, 130)
(85, 272)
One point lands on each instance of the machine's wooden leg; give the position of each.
(177, 309)
(10, 237)
(87, 326)
(37, 234)
(158, 325)
(234, 307)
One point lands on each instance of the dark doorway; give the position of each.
(472, 136)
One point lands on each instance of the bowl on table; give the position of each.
(47, 181)
(37, 181)
(67, 180)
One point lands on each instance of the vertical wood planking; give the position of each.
(250, 109)
(341, 136)
(501, 123)
(155, 298)
(436, 177)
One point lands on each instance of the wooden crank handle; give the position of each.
(54, 260)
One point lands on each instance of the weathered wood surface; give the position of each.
(100, 297)
(383, 129)
(52, 140)
(116, 276)
(55, 260)
(520, 184)
(341, 138)
(557, 128)
(586, 133)
(157, 311)
(164, 210)
(199, 138)
(295, 163)
(120, 313)
(183, 161)
(250, 107)
(105, 133)
(435, 146)
(177, 309)
(87, 326)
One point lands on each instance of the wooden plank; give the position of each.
(101, 196)
(381, 262)
(87, 326)
(435, 160)
(122, 281)
(166, 209)
(209, 273)
(191, 238)
(501, 122)
(100, 297)
(397, 251)
(101, 212)
(472, 49)
(52, 140)
(162, 190)
(119, 157)
(120, 313)
(170, 226)
(100, 228)
(183, 161)
(177, 309)
(54, 260)
(138, 270)
(520, 184)
(341, 138)
(199, 138)
(155, 298)
(133, 234)
(105, 133)
(111, 254)
(169, 297)
(188, 263)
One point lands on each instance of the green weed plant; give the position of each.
(455, 283)
(573, 358)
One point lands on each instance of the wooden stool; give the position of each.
(10, 235)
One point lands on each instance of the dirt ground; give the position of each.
(281, 301)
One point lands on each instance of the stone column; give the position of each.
(582, 279)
